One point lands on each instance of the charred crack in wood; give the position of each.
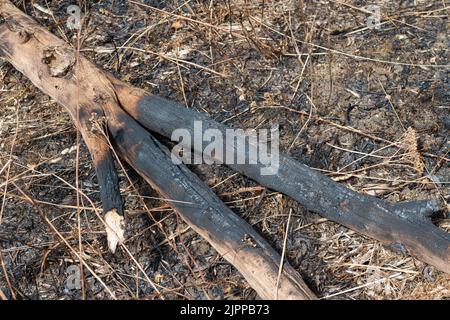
(24, 36)
(249, 241)
(60, 61)
(98, 123)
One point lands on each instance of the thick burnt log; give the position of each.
(89, 97)
(404, 225)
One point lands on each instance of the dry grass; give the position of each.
(367, 107)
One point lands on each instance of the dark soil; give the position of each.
(312, 67)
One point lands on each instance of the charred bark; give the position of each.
(405, 225)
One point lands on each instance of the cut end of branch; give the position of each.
(115, 229)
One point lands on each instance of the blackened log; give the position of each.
(403, 225)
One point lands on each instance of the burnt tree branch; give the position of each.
(405, 224)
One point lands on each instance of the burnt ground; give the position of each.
(312, 67)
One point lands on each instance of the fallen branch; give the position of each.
(90, 98)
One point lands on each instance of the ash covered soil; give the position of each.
(366, 106)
